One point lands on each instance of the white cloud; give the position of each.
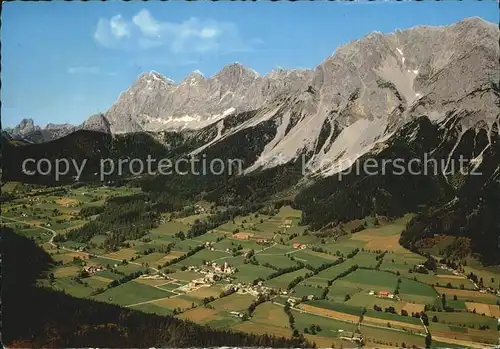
(147, 24)
(208, 33)
(144, 32)
(119, 27)
(83, 70)
(109, 32)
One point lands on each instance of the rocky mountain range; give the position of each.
(353, 100)
(422, 91)
(26, 130)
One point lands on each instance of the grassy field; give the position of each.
(131, 293)
(185, 275)
(260, 328)
(443, 280)
(301, 290)
(212, 291)
(153, 308)
(376, 336)
(407, 323)
(234, 302)
(278, 260)
(249, 272)
(282, 281)
(469, 296)
(277, 250)
(463, 318)
(315, 259)
(490, 275)
(267, 318)
(336, 307)
(332, 272)
(340, 289)
(414, 291)
(364, 300)
(372, 280)
(169, 228)
(329, 327)
(463, 335)
(204, 255)
(152, 258)
(71, 287)
(199, 315)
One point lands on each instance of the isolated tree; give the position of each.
(428, 340)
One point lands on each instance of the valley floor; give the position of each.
(265, 273)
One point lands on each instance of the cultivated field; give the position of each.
(373, 274)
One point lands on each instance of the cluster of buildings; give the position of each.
(254, 290)
(209, 246)
(286, 224)
(199, 209)
(193, 285)
(153, 277)
(212, 272)
(293, 301)
(91, 269)
(356, 337)
(382, 294)
(299, 246)
(445, 267)
(223, 268)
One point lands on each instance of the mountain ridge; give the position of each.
(349, 105)
(472, 22)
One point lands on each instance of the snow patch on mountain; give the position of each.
(353, 142)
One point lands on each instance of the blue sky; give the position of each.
(64, 61)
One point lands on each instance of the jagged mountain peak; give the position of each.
(475, 21)
(97, 122)
(237, 70)
(198, 73)
(153, 77)
(51, 126)
(25, 126)
(26, 121)
(193, 78)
